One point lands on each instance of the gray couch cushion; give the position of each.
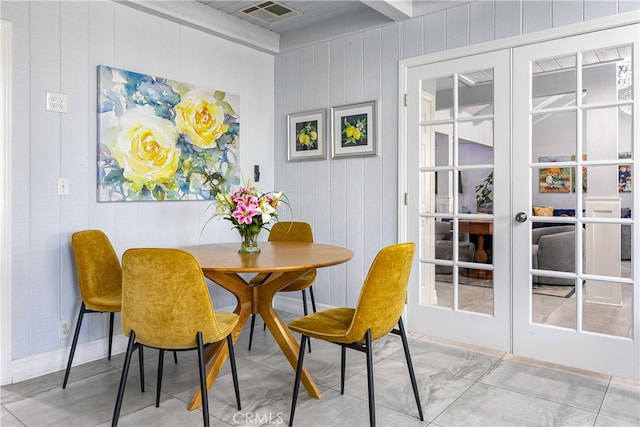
(554, 249)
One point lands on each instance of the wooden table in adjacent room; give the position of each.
(480, 228)
(285, 262)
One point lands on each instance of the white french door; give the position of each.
(458, 149)
(575, 147)
(519, 168)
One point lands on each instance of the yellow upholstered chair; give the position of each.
(166, 305)
(99, 280)
(377, 312)
(100, 283)
(290, 231)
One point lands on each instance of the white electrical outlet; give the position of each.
(65, 328)
(58, 102)
(63, 186)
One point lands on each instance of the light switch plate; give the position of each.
(63, 186)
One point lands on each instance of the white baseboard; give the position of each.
(52, 361)
(56, 360)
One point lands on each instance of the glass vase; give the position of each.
(249, 244)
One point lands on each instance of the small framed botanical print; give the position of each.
(306, 135)
(354, 130)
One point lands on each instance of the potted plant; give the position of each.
(484, 194)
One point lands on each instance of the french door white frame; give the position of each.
(491, 330)
(573, 347)
(404, 173)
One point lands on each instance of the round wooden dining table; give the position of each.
(284, 262)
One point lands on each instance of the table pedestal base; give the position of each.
(255, 300)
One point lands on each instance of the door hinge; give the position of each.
(405, 99)
(405, 199)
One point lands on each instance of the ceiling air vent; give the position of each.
(270, 12)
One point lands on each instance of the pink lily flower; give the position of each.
(244, 213)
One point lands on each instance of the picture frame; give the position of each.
(555, 179)
(189, 159)
(354, 130)
(306, 135)
(625, 174)
(624, 178)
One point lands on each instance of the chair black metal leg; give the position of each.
(203, 381)
(253, 323)
(74, 343)
(372, 399)
(111, 316)
(343, 364)
(304, 302)
(123, 379)
(313, 299)
(306, 312)
(175, 357)
(141, 363)
(296, 383)
(159, 381)
(414, 385)
(234, 371)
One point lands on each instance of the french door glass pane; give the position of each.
(473, 142)
(475, 93)
(553, 136)
(443, 144)
(439, 93)
(553, 304)
(608, 133)
(607, 319)
(554, 82)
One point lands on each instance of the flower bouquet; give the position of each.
(249, 211)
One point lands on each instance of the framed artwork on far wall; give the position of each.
(555, 179)
(624, 178)
(353, 130)
(624, 174)
(306, 136)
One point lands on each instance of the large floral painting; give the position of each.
(159, 139)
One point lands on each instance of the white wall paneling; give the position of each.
(57, 47)
(458, 26)
(508, 19)
(434, 34)
(566, 12)
(536, 15)
(482, 28)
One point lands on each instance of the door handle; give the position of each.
(521, 217)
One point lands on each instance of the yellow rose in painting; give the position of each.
(199, 116)
(145, 148)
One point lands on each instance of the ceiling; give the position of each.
(317, 20)
(311, 22)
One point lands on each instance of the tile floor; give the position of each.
(459, 386)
